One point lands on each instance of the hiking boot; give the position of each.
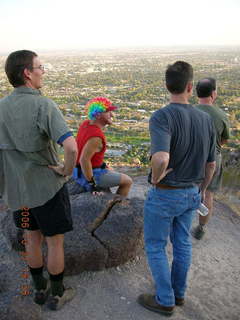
(198, 232)
(56, 302)
(148, 301)
(40, 296)
(179, 301)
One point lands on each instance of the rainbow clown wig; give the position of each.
(98, 105)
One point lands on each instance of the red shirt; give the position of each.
(87, 131)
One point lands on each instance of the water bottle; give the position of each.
(202, 210)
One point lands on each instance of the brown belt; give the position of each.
(164, 186)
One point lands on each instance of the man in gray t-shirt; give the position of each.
(182, 160)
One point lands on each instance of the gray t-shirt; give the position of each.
(188, 135)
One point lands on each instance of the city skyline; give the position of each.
(72, 25)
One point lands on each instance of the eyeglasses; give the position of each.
(41, 67)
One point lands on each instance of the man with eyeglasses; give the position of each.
(32, 181)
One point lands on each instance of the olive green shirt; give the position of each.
(220, 121)
(30, 126)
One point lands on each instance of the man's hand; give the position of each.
(58, 169)
(156, 180)
(159, 162)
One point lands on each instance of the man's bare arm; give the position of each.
(209, 171)
(70, 157)
(159, 164)
(91, 147)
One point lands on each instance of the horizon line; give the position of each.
(137, 47)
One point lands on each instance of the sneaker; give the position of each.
(148, 301)
(198, 232)
(40, 296)
(56, 302)
(179, 301)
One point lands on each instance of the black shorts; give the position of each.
(54, 217)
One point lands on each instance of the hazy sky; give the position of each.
(79, 24)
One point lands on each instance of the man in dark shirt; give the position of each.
(207, 94)
(182, 158)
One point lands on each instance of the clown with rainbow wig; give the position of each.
(91, 173)
(98, 105)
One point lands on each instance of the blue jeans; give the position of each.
(169, 213)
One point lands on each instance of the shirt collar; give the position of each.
(27, 90)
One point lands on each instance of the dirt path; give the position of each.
(214, 279)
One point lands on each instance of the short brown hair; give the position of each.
(177, 76)
(15, 64)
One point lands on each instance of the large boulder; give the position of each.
(121, 232)
(105, 234)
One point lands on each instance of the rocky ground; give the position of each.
(214, 279)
